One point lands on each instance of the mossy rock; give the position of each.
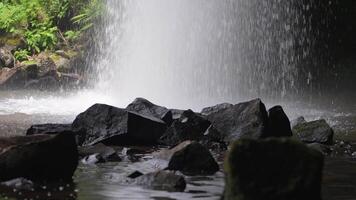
(317, 131)
(272, 169)
(11, 40)
(31, 68)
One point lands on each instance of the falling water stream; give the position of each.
(188, 54)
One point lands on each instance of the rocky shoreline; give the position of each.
(253, 142)
(47, 70)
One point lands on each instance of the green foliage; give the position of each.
(72, 35)
(42, 38)
(89, 14)
(21, 55)
(40, 22)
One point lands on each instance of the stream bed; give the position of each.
(109, 180)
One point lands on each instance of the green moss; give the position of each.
(29, 62)
(55, 57)
(71, 53)
(11, 40)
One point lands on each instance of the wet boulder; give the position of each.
(216, 108)
(147, 108)
(278, 123)
(43, 83)
(272, 169)
(191, 159)
(189, 126)
(297, 121)
(317, 131)
(12, 78)
(114, 126)
(162, 180)
(243, 120)
(213, 139)
(38, 157)
(49, 129)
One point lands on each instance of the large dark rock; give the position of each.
(188, 127)
(193, 159)
(216, 108)
(317, 131)
(243, 120)
(12, 78)
(38, 157)
(272, 169)
(162, 180)
(114, 126)
(278, 123)
(146, 108)
(49, 129)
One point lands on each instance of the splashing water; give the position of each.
(189, 54)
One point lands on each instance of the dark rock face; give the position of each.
(111, 125)
(193, 159)
(162, 180)
(146, 108)
(317, 131)
(12, 78)
(44, 83)
(278, 123)
(272, 169)
(188, 127)
(297, 121)
(49, 129)
(244, 120)
(216, 108)
(38, 157)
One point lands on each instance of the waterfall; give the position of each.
(192, 53)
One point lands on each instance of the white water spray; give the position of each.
(193, 53)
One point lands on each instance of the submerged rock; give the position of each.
(114, 126)
(317, 131)
(243, 120)
(98, 153)
(162, 180)
(49, 129)
(38, 157)
(278, 123)
(188, 127)
(146, 108)
(101, 158)
(135, 174)
(192, 158)
(272, 169)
